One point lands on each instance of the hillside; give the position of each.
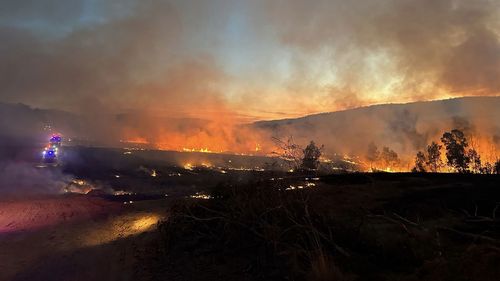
(403, 127)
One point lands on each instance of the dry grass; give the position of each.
(372, 230)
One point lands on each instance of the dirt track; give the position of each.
(74, 237)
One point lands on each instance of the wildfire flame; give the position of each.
(202, 150)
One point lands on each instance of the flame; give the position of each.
(215, 134)
(202, 150)
(201, 195)
(388, 170)
(218, 136)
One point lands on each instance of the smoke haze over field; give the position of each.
(188, 73)
(23, 178)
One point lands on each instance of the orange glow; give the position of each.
(219, 134)
(136, 140)
(120, 227)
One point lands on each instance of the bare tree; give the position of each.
(296, 157)
(289, 151)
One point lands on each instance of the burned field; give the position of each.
(345, 227)
(96, 207)
(152, 215)
(153, 172)
(250, 140)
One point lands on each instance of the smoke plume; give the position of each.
(187, 73)
(387, 50)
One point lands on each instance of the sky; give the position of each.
(245, 60)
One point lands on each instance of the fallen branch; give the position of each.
(474, 237)
(480, 219)
(406, 220)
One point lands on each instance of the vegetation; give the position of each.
(455, 144)
(433, 160)
(389, 157)
(420, 162)
(276, 231)
(289, 151)
(296, 157)
(474, 161)
(348, 227)
(310, 160)
(372, 154)
(458, 157)
(385, 159)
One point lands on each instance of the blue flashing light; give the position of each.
(55, 139)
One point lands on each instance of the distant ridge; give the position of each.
(370, 107)
(406, 127)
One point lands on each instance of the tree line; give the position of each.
(387, 158)
(460, 157)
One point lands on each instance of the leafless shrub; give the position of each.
(281, 222)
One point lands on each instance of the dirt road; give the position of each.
(75, 237)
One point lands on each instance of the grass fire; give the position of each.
(250, 140)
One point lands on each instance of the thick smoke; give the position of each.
(405, 128)
(133, 62)
(160, 71)
(398, 50)
(133, 59)
(164, 55)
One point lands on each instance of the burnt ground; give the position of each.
(49, 234)
(346, 227)
(257, 225)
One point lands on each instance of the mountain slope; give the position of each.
(403, 127)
